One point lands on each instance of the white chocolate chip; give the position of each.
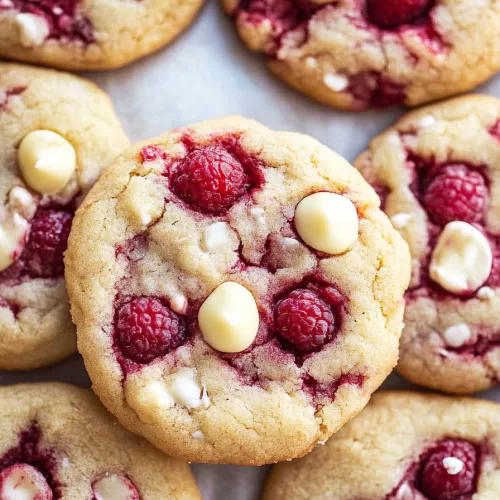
(12, 235)
(33, 30)
(155, 395)
(457, 335)
(216, 237)
(23, 482)
(114, 487)
(186, 390)
(338, 83)
(426, 121)
(198, 435)
(453, 465)
(485, 293)
(290, 242)
(229, 318)
(462, 258)
(21, 201)
(401, 220)
(178, 304)
(327, 222)
(47, 161)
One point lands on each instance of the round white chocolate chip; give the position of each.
(485, 293)
(457, 335)
(24, 482)
(229, 318)
(114, 487)
(327, 222)
(12, 235)
(462, 259)
(47, 161)
(453, 465)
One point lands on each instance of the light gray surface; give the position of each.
(205, 74)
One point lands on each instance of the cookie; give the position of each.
(237, 291)
(403, 446)
(57, 132)
(437, 171)
(57, 441)
(90, 34)
(356, 54)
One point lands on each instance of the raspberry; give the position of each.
(456, 193)
(394, 13)
(305, 320)
(146, 329)
(43, 255)
(152, 153)
(210, 179)
(441, 483)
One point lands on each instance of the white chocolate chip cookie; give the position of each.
(354, 54)
(57, 441)
(211, 327)
(57, 132)
(90, 34)
(438, 173)
(403, 446)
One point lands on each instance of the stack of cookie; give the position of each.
(238, 294)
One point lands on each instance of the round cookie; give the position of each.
(57, 441)
(66, 128)
(403, 446)
(90, 34)
(356, 54)
(206, 322)
(437, 171)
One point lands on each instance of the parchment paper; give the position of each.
(208, 73)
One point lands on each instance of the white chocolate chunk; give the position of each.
(453, 465)
(33, 30)
(229, 319)
(457, 335)
(12, 236)
(401, 220)
(327, 222)
(462, 258)
(114, 487)
(178, 303)
(426, 121)
(198, 435)
(338, 83)
(24, 482)
(155, 395)
(290, 242)
(216, 237)
(186, 390)
(21, 201)
(47, 161)
(485, 293)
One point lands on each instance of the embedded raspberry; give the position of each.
(304, 320)
(146, 330)
(43, 255)
(210, 179)
(152, 153)
(394, 13)
(443, 479)
(456, 193)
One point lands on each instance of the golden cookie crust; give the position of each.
(87, 443)
(41, 331)
(270, 417)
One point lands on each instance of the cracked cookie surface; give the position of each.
(402, 446)
(35, 324)
(90, 34)
(196, 228)
(355, 54)
(437, 170)
(57, 441)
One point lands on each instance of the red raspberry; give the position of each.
(394, 13)
(48, 240)
(146, 329)
(456, 193)
(305, 320)
(152, 153)
(438, 483)
(210, 179)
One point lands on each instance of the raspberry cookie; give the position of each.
(57, 131)
(403, 446)
(355, 54)
(237, 291)
(438, 173)
(90, 34)
(57, 441)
